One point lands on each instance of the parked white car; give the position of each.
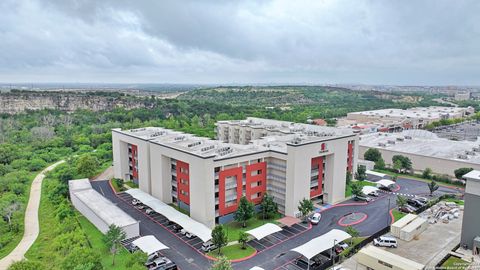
(315, 218)
(187, 234)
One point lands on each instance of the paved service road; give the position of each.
(32, 228)
(278, 255)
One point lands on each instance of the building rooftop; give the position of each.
(286, 133)
(422, 142)
(103, 208)
(433, 112)
(473, 175)
(79, 184)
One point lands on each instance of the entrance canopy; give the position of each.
(264, 230)
(149, 244)
(369, 189)
(321, 243)
(190, 225)
(385, 182)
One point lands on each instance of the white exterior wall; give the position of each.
(120, 159)
(131, 230)
(420, 163)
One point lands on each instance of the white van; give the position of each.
(208, 246)
(385, 241)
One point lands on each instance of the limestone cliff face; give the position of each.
(16, 102)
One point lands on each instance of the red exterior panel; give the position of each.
(183, 176)
(317, 163)
(134, 160)
(237, 173)
(350, 157)
(260, 177)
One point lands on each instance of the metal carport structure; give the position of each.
(190, 225)
(149, 244)
(321, 243)
(264, 230)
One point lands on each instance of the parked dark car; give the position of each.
(176, 227)
(415, 202)
(131, 247)
(405, 209)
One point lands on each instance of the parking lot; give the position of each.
(278, 237)
(463, 131)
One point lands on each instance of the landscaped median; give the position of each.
(234, 228)
(348, 187)
(233, 252)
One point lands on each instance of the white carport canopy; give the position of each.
(375, 173)
(149, 244)
(190, 225)
(321, 243)
(264, 230)
(256, 268)
(368, 189)
(385, 182)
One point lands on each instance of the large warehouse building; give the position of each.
(251, 157)
(425, 149)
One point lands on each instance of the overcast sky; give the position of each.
(372, 42)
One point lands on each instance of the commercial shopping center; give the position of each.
(251, 157)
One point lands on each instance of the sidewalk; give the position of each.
(32, 227)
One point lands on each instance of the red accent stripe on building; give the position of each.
(317, 163)
(134, 161)
(234, 172)
(183, 175)
(350, 157)
(260, 178)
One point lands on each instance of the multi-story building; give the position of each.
(471, 219)
(250, 158)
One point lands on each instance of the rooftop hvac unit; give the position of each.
(400, 139)
(206, 148)
(471, 153)
(223, 153)
(179, 138)
(194, 144)
(157, 133)
(382, 144)
(138, 129)
(408, 137)
(461, 156)
(391, 141)
(476, 149)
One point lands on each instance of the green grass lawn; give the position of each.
(131, 184)
(234, 228)
(348, 188)
(16, 237)
(455, 263)
(397, 215)
(95, 237)
(179, 209)
(233, 252)
(408, 176)
(457, 201)
(116, 187)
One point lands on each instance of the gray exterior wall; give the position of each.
(471, 220)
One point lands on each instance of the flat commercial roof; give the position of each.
(264, 230)
(390, 258)
(424, 143)
(321, 243)
(104, 209)
(79, 184)
(190, 225)
(404, 221)
(412, 226)
(149, 244)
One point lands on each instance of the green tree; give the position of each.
(401, 163)
(372, 154)
(37, 164)
(87, 165)
(219, 237)
(432, 186)
(136, 258)
(243, 239)
(356, 189)
(269, 207)
(25, 265)
(361, 173)
(353, 232)
(305, 207)
(112, 239)
(427, 173)
(401, 201)
(379, 164)
(460, 172)
(84, 258)
(397, 165)
(348, 178)
(245, 211)
(222, 264)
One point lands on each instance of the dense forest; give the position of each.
(31, 140)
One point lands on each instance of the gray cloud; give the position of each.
(361, 41)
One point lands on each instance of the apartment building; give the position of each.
(289, 161)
